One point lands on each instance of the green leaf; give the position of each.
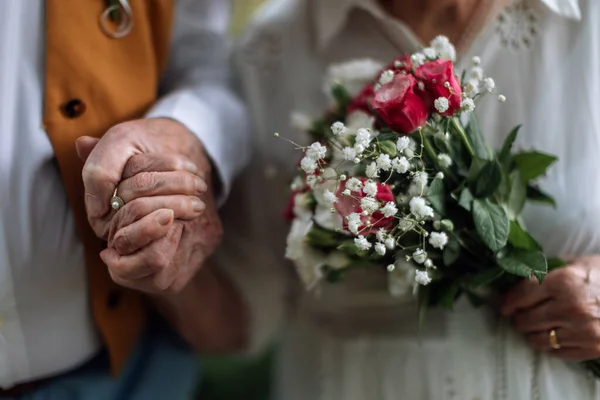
(535, 194)
(525, 264)
(466, 199)
(518, 195)
(556, 263)
(484, 278)
(341, 96)
(388, 135)
(505, 156)
(451, 252)
(520, 239)
(447, 295)
(388, 147)
(491, 224)
(320, 237)
(487, 181)
(348, 247)
(473, 132)
(437, 196)
(475, 168)
(533, 164)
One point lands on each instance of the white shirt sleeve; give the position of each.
(197, 90)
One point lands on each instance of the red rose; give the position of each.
(434, 75)
(399, 106)
(347, 205)
(362, 100)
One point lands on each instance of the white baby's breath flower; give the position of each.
(420, 209)
(329, 197)
(338, 128)
(300, 121)
(349, 153)
(297, 183)
(430, 53)
(444, 48)
(359, 119)
(384, 162)
(410, 153)
(476, 73)
(369, 205)
(390, 243)
(501, 98)
(422, 278)
(354, 223)
(420, 180)
(372, 170)
(316, 151)
(354, 184)
(439, 175)
(400, 165)
(428, 263)
(471, 88)
(370, 189)
(476, 60)
(467, 104)
(346, 192)
(311, 181)
(362, 243)
(444, 160)
(405, 224)
(438, 240)
(402, 143)
(308, 165)
(389, 210)
(353, 75)
(363, 137)
(359, 148)
(489, 84)
(441, 104)
(418, 59)
(380, 249)
(419, 256)
(381, 234)
(386, 77)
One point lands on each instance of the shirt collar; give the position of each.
(331, 15)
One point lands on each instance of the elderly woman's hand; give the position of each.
(568, 302)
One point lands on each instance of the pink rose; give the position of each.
(434, 75)
(398, 105)
(347, 205)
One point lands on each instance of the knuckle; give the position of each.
(143, 182)
(160, 260)
(188, 182)
(136, 164)
(123, 242)
(136, 209)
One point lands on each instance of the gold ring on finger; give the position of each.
(553, 339)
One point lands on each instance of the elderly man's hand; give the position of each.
(168, 225)
(568, 301)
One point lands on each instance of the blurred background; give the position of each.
(232, 378)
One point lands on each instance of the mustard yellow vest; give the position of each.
(92, 83)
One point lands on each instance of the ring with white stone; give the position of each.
(116, 202)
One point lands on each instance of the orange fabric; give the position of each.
(117, 80)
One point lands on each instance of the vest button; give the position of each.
(73, 108)
(114, 298)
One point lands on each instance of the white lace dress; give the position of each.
(354, 341)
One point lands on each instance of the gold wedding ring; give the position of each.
(553, 339)
(116, 202)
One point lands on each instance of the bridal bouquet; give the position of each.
(399, 178)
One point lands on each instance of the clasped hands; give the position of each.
(168, 225)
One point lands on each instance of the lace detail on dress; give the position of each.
(517, 26)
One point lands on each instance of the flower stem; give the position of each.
(463, 136)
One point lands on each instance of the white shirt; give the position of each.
(544, 56)
(45, 322)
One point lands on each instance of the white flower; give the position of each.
(370, 189)
(302, 202)
(308, 262)
(349, 153)
(363, 137)
(444, 160)
(297, 183)
(441, 104)
(380, 249)
(311, 181)
(389, 210)
(354, 184)
(409, 153)
(419, 208)
(501, 98)
(300, 121)
(353, 75)
(439, 175)
(428, 263)
(476, 73)
(316, 151)
(346, 192)
(471, 88)
(422, 278)
(444, 48)
(476, 60)
(430, 53)
(381, 234)
(372, 170)
(401, 165)
(438, 240)
(419, 256)
(354, 223)
(386, 77)
(359, 119)
(467, 104)
(420, 180)
(390, 243)
(359, 148)
(338, 128)
(327, 219)
(403, 143)
(362, 243)
(405, 225)
(329, 197)
(308, 165)
(418, 59)
(384, 162)
(369, 204)
(489, 84)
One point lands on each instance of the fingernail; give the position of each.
(165, 217)
(197, 205)
(191, 167)
(201, 185)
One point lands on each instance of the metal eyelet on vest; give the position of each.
(122, 9)
(73, 108)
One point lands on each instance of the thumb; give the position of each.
(84, 146)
